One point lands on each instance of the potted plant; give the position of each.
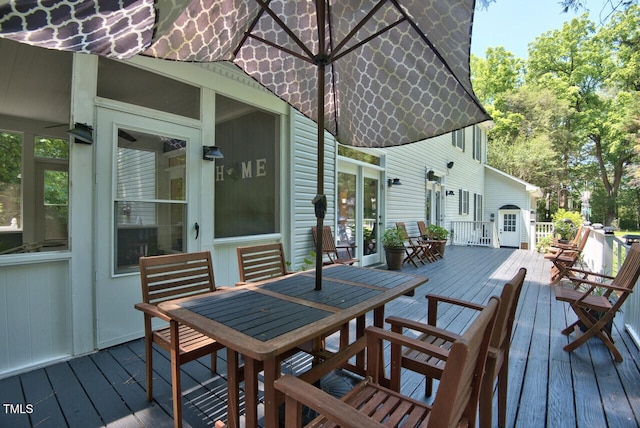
(369, 240)
(393, 244)
(438, 233)
(565, 224)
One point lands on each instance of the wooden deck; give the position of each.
(547, 386)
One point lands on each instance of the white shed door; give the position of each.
(509, 228)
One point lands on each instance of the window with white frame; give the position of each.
(150, 206)
(34, 207)
(463, 202)
(477, 207)
(458, 139)
(477, 143)
(247, 195)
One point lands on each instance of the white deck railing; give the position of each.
(605, 253)
(476, 233)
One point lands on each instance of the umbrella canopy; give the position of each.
(372, 73)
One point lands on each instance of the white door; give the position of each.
(359, 211)
(509, 228)
(146, 204)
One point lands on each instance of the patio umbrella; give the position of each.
(372, 73)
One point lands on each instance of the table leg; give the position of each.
(360, 357)
(271, 401)
(251, 392)
(233, 381)
(378, 321)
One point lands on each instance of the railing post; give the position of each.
(607, 254)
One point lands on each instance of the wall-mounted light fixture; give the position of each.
(492, 217)
(394, 182)
(431, 175)
(82, 133)
(450, 165)
(211, 152)
(450, 193)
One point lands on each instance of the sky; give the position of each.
(514, 24)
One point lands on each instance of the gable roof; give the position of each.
(531, 188)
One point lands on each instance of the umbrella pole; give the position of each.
(320, 198)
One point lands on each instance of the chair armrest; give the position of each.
(346, 247)
(594, 284)
(152, 310)
(599, 275)
(423, 328)
(453, 301)
(409, 342)
(323, 403)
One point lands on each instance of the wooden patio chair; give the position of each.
(331, 250)
(170, 277)
(414, 250)
(556, 245)
(566, 258)
(434, 245)
(595, 309)
(259, 262)
(369, 404)
(498, 356)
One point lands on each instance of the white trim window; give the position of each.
(477, 143)
(477, 207)
(457, 139)
(463, 202)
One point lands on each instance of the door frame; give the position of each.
(116, 293)
(514, 238)
(363, 170)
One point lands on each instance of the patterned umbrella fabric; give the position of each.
(373, 73)
(397, 72)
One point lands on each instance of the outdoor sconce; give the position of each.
(492, 217)
(450, 165)
(394, 182)
(82, 133)
(211, 153)
(450, 193)
(431, 175)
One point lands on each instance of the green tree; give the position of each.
(591, 72)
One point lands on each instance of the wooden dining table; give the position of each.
(264, 321)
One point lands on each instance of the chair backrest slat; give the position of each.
(328, 241)
(422, 228)
(507, 312)
(630, 270)
(176, 275)
(459, 388)
(261, 262)
(403, 228)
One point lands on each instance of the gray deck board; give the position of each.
(548, 387)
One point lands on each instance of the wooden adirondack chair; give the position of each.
(333, 251)
(595, 310)
(369, 404)
(497, 359)
(566, 258)
(171, 277)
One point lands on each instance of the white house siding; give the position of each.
(502, 189)
(410, 164)
(304, 150)
(35, 307)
